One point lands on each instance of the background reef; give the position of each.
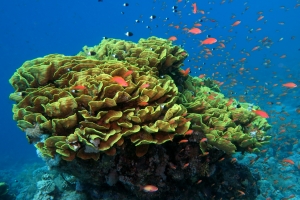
(122, 115)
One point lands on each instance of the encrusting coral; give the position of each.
(121, 97)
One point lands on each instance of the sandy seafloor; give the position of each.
(32, 29)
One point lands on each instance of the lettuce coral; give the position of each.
(77, 102)
(226, 126)
(118, 98)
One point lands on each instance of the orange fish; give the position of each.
(183, 141)
(209, 41)
(145, 85)
(288, 161)
(189, 132)
(283, 56)
(119, 80)
(260, 18)
(172, 38)
(194, 5)
(261, 113)
(149, 188)
(195, 31)
(255, 48)
(236, 23)
(143, 103)
(172, 166)
(203, 140)
(222, 45)
(185, 72)
(127, 73)
(79, 87)
(230, 101)
(242, 59)
(289, 85)
(241, 193)
(185, 165)
(202, 75)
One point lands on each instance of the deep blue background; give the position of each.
(37, 28)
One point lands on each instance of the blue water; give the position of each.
(31, 29)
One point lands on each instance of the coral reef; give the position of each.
(121, 115)
(227, 124)
(3, 189)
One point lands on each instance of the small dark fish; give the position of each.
(174, 7)
(129, 34)
(126, 4)
(92, 53)
(152, 17)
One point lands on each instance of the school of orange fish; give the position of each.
(277, 92)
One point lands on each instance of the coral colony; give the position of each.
(124, 117)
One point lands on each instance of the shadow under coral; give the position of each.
(177, 170)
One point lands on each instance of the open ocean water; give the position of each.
(256, 53)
